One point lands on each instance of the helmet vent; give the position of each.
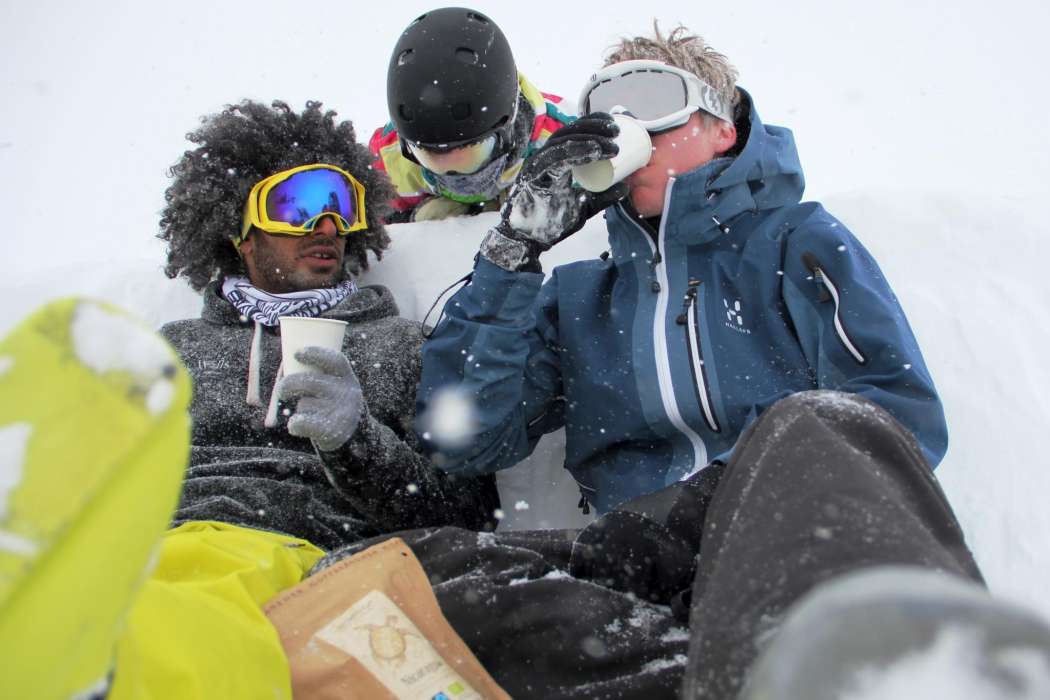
(467, 56)
(477, 17)
(461, 111)
(407, 56)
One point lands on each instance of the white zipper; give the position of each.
(584, 487)
(663, 367)
(839, 329)
(693, 336)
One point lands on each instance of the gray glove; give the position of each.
(330, 401)
(544, 207)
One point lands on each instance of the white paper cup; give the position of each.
(635, 150)
(298, 332)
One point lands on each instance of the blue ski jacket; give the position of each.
(657, 357)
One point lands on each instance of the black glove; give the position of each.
(648, 546)
(544, 207)
(629, 552)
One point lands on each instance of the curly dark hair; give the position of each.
(235, 149)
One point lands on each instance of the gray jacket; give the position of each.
(243, 473)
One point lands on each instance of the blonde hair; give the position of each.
(681, 50)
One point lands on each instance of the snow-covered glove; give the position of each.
(544, 207)
(330, 400)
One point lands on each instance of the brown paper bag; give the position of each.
(370, 627)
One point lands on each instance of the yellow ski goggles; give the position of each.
(293, 201)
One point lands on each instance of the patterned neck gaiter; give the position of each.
(481, 186)
(266, 308)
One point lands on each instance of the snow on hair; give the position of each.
(236, 148)
(682, 50)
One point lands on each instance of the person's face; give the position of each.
(676, 152)
(279, 264)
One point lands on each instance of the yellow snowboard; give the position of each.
(94, 440)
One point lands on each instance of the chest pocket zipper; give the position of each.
(690, 318)
(830, 292)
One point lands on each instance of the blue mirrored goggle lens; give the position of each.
(309, 193)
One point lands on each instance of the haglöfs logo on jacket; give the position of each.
(218, 364)
(734, 316)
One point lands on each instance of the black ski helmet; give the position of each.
(451, 79)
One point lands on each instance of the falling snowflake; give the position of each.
(594, 647)
(451, 418)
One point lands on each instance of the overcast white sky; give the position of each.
(97, 96)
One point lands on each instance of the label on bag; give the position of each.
(378, 634)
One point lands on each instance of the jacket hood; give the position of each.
(768, 164)
(765, 175)
(367, 304)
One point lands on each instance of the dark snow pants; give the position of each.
(823, 483)
(539, 631)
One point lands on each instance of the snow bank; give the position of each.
(970, 273)
(136, 284)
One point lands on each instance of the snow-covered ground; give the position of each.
(919, 124)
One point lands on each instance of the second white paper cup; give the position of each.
(298, 332)
(635, 150)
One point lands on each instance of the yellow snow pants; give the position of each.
(197, 629)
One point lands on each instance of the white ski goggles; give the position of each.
(656, 94)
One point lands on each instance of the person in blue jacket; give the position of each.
(724, 292)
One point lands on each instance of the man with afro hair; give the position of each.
(344, 464)
(270, 215)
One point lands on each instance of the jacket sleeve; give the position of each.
(853, 331)
(496, 346)
(384, 475)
